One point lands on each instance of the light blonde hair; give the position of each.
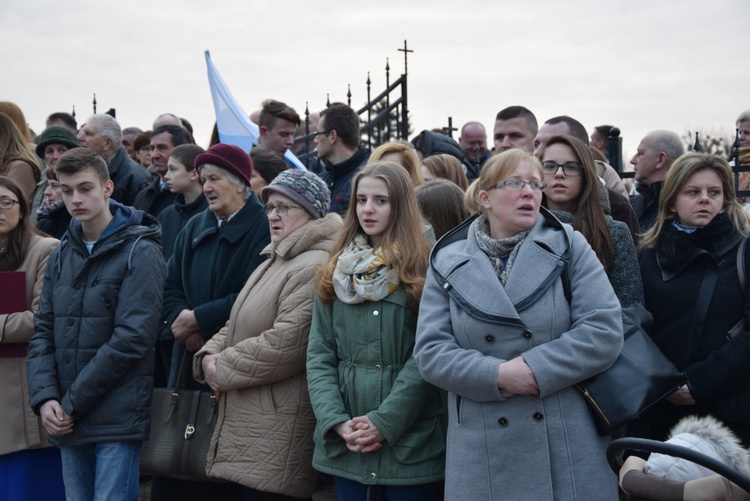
(500, 166)
(678, 175)
(408, 159)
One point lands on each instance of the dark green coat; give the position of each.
(359, 361)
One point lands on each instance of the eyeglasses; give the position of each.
(571, 169)
(281, 210)
(8, 203)
(517, 185)
(324, 132)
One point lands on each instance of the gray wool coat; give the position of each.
(520, 447)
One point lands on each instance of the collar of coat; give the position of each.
(246, 220)
(318, 234)
(459, 265)
(677, 249)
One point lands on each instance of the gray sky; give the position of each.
(640, 64)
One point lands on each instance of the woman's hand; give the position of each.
(681, 396)
(360, 435)
(514, 377)
(209, 371)
(365, 437)
(194, 342)
(54, 419)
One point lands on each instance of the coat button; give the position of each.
(526, 335)
(489, 338)
(502, 421)
(446, 286)
(375, 313)
(560, 264)
(538, 416)
(377, 367)
(373, 475)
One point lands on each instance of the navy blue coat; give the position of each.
(95, 329)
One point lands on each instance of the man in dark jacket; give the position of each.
(102, 134)
(156, 197)
(91, 359)
(653, 158)
(339, 150)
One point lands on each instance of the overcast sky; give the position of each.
(639, 64)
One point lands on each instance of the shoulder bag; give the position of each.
(182, 424)
(640, 377)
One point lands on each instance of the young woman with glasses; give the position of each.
(574, 194)
(498, 333)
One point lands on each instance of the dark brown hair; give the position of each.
(588, 214)
(17, 243)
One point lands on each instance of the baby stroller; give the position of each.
(728, 484)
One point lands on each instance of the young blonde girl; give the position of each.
(380, 427)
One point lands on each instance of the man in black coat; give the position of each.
(156, 197)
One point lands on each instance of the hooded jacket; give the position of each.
(128, 177)
(96, 326)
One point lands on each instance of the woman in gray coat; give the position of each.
(496, 330)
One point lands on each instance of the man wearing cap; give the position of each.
(214, 255)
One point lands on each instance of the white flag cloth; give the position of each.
(233, 123)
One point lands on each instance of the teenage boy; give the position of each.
(91, 358)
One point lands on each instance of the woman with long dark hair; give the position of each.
(25, 454)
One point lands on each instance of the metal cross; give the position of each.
(406, 51)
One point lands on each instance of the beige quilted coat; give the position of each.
(263, 437)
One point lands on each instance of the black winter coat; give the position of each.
(174, 218)
(339, 179)
(692, 331)
(153, 199)
(128, 177)
(96, 326)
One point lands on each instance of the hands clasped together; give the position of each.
(54, 419)
(360, 434)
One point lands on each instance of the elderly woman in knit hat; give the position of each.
(51, 215)
(256, 363)
(213, 257)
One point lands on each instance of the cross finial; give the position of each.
(406, 51)
(94, 103)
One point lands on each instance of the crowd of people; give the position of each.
(396, 322)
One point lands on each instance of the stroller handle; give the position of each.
(615, 449)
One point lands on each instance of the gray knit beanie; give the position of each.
(302, 187)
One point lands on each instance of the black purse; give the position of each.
(641, 377)
(182, 424)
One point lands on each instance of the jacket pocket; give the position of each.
(424, 441)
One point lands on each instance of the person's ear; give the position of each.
(263, 130)
(109, 187)
(194, 176)
(484, 199)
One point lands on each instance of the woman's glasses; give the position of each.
(517, 185)
(8, 203)
(281, 210)
(571, 169)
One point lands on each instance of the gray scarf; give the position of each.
(503, 252)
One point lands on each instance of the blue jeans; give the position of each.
(349, 490)
(106, 471)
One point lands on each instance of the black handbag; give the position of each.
(182, 424)
(640, 377)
